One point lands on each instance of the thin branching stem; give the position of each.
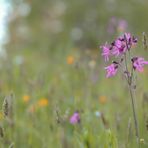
(130, 85)
(134, 112)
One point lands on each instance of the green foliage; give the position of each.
(48, 88)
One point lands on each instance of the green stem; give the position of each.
(130, 85)
(134, 113)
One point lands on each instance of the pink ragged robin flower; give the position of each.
(111, 70)
(130, 40)
(119, 47)
(75, 118)
(122, 44)
(106, 51)
(138, 63)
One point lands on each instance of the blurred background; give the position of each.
(50, 58)
(53, 24)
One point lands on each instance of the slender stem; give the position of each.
(125, 62)
(122, 70)
(134, 113)
(127, 71)
(130, 81)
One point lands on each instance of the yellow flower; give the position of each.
(43, 102)
(102, 99)
(70, 60)
(26, 98)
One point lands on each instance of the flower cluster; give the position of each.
(119, 48)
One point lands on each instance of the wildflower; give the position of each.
(129, 40)
(123, 43)
(111, 70)
(122, 25)
(43, 102)
(119, 47)
(102, 99)
(138, 63)
(26, 98)
(117, 24)
(75, 118)
(70, 60)
(106, 51)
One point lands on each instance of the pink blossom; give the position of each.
(138, 63)
(122, 44)
(128, 36)
(106, 51)
(122, 25)
(111, 70)
(129, 40)
(119, 47)
(75, 118)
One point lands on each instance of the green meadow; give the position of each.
(53, 67)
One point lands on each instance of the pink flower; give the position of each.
(130, 40)
(138, 63)
(75, 118)
(106, 51)
(119, 47)
(111, 70)
(128, 37)
(122, 44)
(116, 24)
(122, 25)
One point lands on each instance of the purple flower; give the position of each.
(75, 118)
(129, 40)
(122, 25)
(119, 47)
(117, 24)
(122, 44)
(138, 63)
(106, 51)
(111, 70)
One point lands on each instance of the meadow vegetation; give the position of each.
(54, 68)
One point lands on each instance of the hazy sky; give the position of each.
(5, 8)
